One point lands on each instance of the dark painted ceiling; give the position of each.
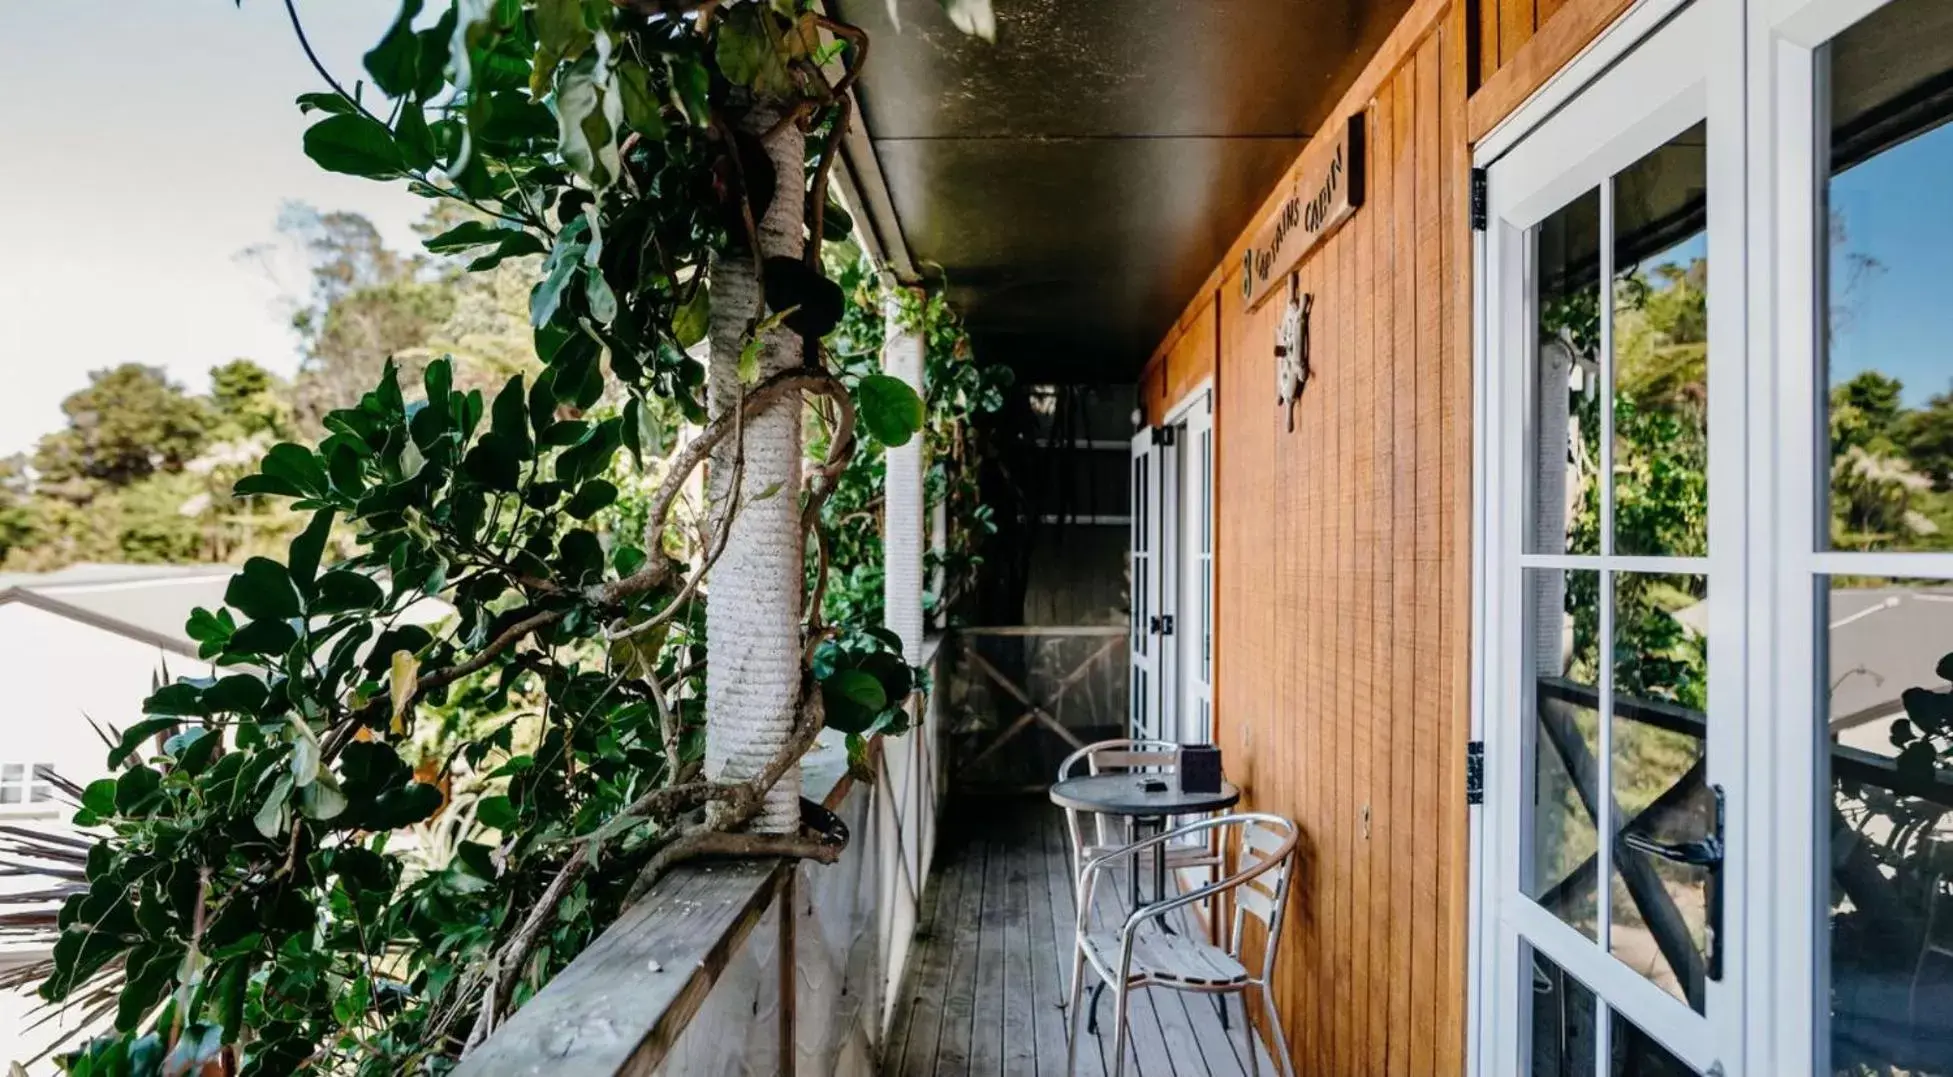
(1079, 178)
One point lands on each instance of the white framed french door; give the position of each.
(1172, 560)
(1145, 565)
(1611, 654)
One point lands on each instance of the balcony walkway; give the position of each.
(988, 976)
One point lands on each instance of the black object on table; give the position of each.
(1150, 799)
(1199, 768)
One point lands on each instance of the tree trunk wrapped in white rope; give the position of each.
(753, 603)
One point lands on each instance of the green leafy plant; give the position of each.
(423, 777)
(961, 392)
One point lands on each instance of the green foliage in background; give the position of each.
(290, 878)
(960, 392)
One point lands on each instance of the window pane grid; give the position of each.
(1617, 490)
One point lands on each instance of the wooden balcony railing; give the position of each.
(756, 966)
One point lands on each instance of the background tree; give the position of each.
(129, 422)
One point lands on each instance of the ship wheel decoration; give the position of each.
(1292, 348)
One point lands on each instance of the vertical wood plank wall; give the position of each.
(1342, 574)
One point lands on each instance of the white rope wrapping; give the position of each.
(902, 507)
(753, 604)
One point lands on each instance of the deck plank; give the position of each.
(1064, 915)
(919, 1018)
(954, 1048)
(991, 967)
(1020, 1047)
(1043, 945)
(987, 1022)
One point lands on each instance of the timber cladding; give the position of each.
(1343, 572)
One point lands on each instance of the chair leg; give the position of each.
(1119, 1032)
(1073, 1020)
(1280, 1046)
(1248, 1031)
(1074, 1016)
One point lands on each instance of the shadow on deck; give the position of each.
(988, 976)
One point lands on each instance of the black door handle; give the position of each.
(1708, 853)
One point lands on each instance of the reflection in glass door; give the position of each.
(1884, 639)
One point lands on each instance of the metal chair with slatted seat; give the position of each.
(1138, 954)
(1114, 832)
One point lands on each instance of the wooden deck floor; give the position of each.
(985, 992)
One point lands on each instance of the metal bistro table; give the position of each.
(1128, 793)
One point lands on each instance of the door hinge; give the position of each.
(1166, 624)
(1475, 772)
(1478, 200)
(1163, 435)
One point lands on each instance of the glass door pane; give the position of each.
(1884, 709)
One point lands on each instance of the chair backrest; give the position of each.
(1264, 847)
(1119, 754)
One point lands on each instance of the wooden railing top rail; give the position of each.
(621, 1005)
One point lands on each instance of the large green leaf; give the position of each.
(747, 53)
(332, 104)
(560, 36)
(808, 303)
(852, 699)
(464, 236)
(295, 466)
(591, 497)
(642, 108)
(394, 63)
(589, 112)
(266, 637)
(343, 590)
(513, 245)
(263, 589)
(690, 322)
(509, 416)
(548, 293)
(306, 549)
(356, 146)
(133, 737)
(888, 408)
(494, 463)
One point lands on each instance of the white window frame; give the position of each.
(26, 785)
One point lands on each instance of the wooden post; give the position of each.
(903, 500)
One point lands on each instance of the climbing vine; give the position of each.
(960, 393)
(423, 778)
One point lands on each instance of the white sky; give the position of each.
(143, 145)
